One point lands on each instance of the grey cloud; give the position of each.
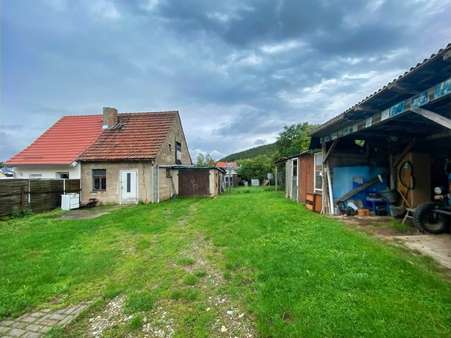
(237, 70)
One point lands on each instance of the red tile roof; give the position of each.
(62, 143)
(137, 136)
(226, 165)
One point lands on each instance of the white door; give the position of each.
(128, 184)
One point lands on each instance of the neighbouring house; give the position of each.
(231, 177)
(54, 154)
(386, 154)
(137, 157)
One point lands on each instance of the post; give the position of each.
(276, 179)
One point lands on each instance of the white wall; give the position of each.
(46, 171)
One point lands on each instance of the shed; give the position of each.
(302, 181)
(395, 140)
(196, 181)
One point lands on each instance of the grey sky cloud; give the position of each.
(237, 70)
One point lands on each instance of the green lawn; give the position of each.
(294, 273)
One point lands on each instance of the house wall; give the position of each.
(167, 151)
(112, 192)
(169, 183)
(305, 176)
(215, 182)
(47, 171)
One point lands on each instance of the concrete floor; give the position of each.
(436, 246)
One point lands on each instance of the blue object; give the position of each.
(347, 178)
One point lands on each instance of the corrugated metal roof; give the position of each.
(387, 94)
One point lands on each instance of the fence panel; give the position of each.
(36, 194)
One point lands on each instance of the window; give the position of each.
(178, 153)
(318, 178)
(36, 175)
(99, 179)
(64, 175)
(295, 168)
(129, 183)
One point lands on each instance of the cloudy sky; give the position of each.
(238, 71)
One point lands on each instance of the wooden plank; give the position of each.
(432, 116)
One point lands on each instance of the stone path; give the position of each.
(36, 324)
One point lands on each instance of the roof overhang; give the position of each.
(426, 86)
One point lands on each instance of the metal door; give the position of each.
(194, 182)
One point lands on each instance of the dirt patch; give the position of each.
(88, 213)
(231, 320)
(159, 323)
(112, 315)
(377, 225)
(437, 247)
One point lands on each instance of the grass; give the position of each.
(296, 272)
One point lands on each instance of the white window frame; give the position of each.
(317, 156)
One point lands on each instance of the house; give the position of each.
(390, 150)
(231, 178)
(135, 158)
(54, 154)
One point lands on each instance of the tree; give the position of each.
(294, 139)
(204, 160)
(257, 167)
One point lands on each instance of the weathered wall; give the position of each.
(46, 171)
(169, 183)
(305, 176)
(112, 192)
(167, 151)
(214, 178)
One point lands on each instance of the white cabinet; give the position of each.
(70, 201)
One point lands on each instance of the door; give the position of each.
(129, 187)
(294, 180)
(194, 182)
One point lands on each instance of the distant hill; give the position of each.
(267, 149)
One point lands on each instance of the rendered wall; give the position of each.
(112, 192)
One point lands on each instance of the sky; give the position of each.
(238, 71)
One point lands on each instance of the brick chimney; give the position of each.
(110, 118)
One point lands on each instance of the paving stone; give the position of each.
(7, 323)
(19, 325)
(57, 316)
(37, 314)
(4, 329)
(67, 320)
(31, 335)
(28, 319)
(16, 332)
(49, 322)
(33, 327)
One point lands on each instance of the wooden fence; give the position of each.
(17, 195)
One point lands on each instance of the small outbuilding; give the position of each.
(386, 154)
(302, 182)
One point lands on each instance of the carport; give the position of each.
(396, 140)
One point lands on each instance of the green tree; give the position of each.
(204, 160)
(257, 167)
(294, 139)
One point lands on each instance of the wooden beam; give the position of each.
(331, 148)
(404, 152)
(430, 115)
